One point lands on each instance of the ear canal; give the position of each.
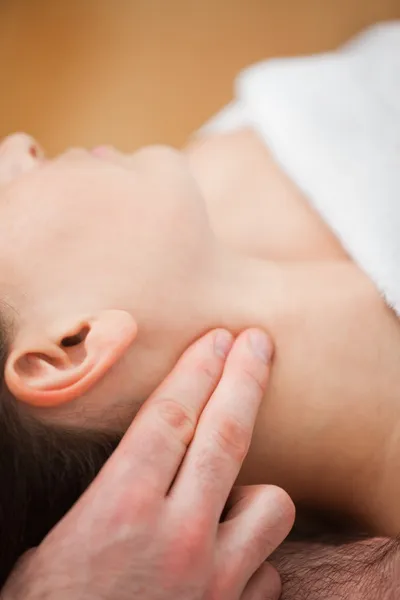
(75, 339)
(74, 344)
(53, 373)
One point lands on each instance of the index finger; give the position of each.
(225, 429)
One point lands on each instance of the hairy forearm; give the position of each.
(334, 569)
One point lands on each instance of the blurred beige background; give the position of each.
(132, 72)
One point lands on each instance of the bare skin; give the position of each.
(134, 534)
(253, 206)
(150, 251)
(257, 210)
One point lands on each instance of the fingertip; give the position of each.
(250, 361)
(223, 341)
(260, 344)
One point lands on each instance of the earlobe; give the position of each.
(51, 372)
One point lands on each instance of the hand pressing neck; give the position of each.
(318, 433)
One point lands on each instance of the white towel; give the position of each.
(333, 123)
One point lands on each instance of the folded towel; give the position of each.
(333, 123)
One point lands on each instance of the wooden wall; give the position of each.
(131, 72)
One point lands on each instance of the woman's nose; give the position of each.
(19, 153)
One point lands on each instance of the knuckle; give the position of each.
(233, 438)
(178, 418)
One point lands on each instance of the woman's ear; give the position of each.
(50, 372)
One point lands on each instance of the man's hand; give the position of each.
(339, 569)
(149, 526)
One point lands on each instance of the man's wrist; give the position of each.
(339, 569)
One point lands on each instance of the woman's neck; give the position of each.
(316, 434)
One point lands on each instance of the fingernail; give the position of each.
(260, 345)
(222, 343)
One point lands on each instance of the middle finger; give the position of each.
(223, 435)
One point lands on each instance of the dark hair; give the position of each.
(43, 471)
